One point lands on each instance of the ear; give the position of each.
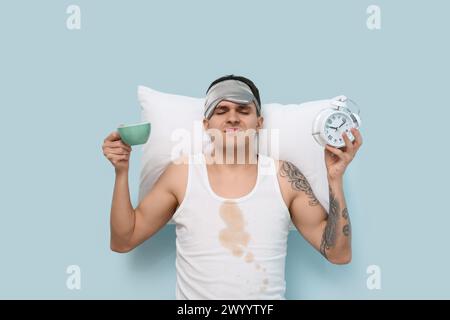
(205, 124)
(259, 125)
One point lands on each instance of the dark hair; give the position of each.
(240, 78)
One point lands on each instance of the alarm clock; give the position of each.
(330, 123)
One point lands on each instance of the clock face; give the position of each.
(336, 124)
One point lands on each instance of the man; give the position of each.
(231, 219)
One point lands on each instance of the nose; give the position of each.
(233, 117)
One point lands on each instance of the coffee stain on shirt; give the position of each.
(233, 237)
(249, 257)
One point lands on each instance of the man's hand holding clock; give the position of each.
(337, 159)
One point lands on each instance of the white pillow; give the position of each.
(174, 116)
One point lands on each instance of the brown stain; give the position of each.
(249, 257)
(233, 237)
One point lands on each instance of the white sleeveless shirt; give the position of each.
(231, 248)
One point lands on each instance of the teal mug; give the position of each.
(135, 134)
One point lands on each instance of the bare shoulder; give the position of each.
(177, 165)
(293, 182)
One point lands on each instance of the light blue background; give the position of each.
(62, 92)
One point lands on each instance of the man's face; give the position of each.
(233, 120)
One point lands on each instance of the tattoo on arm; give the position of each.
(329, 235)
(347, 229)
(298, 181)
(345, 213)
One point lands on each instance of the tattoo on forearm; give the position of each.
(347, 229)
(329, 235)
(298, 181)
(345, 213)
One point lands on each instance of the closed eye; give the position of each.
(241, 109)
(244, 109)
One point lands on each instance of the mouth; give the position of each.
(231, 130)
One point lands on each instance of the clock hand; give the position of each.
(343, 122)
